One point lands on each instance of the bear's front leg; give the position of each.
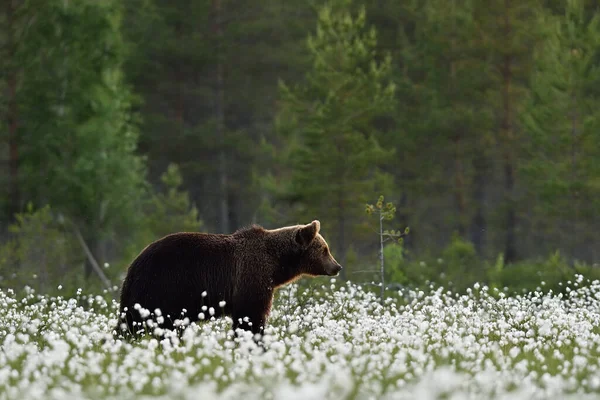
(251, 310)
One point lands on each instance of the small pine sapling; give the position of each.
(385, 212)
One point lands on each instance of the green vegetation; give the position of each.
(121, 122)
(385, 213)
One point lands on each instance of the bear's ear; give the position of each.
(307, 233)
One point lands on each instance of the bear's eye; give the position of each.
(325, 251)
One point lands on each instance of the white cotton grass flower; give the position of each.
(484, 343)
(293, 328)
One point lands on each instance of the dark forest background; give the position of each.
(122, 121)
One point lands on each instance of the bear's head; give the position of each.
(315, 257)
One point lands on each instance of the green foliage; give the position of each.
(44, 253)
(477, 124)
(459, 252)
(458, 267)
(175, 55)
(165, 212)
(40, 254)
(444, 119)
(384, 213)
(395, 263)
(541, 274)
(333, 154)
(563, 122)
(460, 262)
(77, 132)
(172, 211)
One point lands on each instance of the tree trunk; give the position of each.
(459, 189)
(574, 194)
(341, 239)
(507, 139)
(180, 87)
(220, 117)
(510, 252)
(12, 116)
(89, 268)
(478, 223)
(459, 179)
(234, 207)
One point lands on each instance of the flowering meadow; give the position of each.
(334, 341)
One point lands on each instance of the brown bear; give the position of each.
(202, 275)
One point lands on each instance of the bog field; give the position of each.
(332, 341)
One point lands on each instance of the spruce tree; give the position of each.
(510, 30)
(453, 79)
(334, 152)
(563, 125)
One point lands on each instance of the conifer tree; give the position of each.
(454, 79)
(334, 151)
(563, 124)
(510, 30)
(207, 72)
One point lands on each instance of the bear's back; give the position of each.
(188, 251)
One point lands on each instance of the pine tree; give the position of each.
(10, 26)
(510, 30)
(453, 78)
(441, 128)
(207, 72)
(334, 152)
(563, 122)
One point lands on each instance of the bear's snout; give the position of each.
(334, 269)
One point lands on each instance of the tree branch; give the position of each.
(91, 258)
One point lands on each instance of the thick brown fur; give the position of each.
(243, 269)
